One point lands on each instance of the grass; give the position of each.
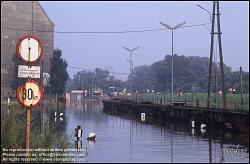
(48, 104)
(13, 122)
(191, 99)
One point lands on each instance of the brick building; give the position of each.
(16, 21)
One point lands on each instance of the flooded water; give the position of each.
(120, 139)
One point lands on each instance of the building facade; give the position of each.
(19, 18)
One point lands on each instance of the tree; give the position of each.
(15, 80)
(190, 73)
(69, 85)
(100, 78)
(144, 79)
(58, 73)
(82, 80)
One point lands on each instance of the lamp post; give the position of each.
(131, 65)
(113, 79)
(92, 83)
(210, 16)
(206, 11)
(172, 29)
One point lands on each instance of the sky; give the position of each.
(91, 50)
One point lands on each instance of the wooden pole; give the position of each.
(241, 88)
(27, 132)
(211, 57)
(164, 98)
(221, 59)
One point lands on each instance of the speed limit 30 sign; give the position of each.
(29, 94)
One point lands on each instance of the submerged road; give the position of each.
(122, 139)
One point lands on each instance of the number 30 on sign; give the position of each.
(29, 94)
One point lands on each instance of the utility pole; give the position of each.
(215, 74)
(131, 66)
(221, 58)
(241, 89)
(216, 9)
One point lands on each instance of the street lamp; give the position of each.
(131, 77)
(113, 79)
(206, 11)
(92, 83)
(210, 15)
(131, 64)
(172, 29)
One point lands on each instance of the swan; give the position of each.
(203, 126)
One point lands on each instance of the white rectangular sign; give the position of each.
(25, 71)
(143, 116)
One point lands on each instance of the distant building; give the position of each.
(16, 21)
(77, 95)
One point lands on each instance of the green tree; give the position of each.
(100, 78)
(190, 73)
(15, 80)
(144, 78)
(58, 73)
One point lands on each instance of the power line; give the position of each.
(120, 73)
(81, 68)
(100, 32)
(85, 32)
(195, 25)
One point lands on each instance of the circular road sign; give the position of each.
(29, 94)
(29, 49)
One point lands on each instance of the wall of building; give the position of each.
(16, 21)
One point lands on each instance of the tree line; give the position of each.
(97, 79)
(190, 74)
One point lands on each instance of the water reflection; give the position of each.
(122, 139)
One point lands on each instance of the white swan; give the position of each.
(91, 136)
(203, 126)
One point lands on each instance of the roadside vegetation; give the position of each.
(13, 123)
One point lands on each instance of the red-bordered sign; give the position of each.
(29, 94)
(29, 49)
